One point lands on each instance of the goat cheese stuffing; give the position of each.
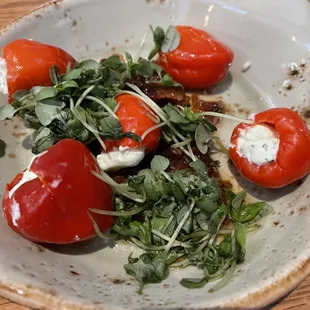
(3, 74)
(259, 144)
(122, 158)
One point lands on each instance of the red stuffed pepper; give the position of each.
(136, 117)
(49, 202)
(274, 151)
(27, 64)
(199, 61)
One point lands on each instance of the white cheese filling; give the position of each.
(122, 158)
(15, 212)
(259, 144)
(3, 77)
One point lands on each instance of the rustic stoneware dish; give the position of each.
(267, 34)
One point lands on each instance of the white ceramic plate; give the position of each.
(269, 34)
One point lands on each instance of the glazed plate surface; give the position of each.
(269, 35)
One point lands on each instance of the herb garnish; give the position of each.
(178, 218)
(164, 41)
(182, 221)
(80, 105)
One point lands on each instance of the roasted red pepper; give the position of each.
(135, 116)
(199, 61)
(292, 160)
(49, 202)
(28, 63)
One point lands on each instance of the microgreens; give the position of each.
(181, 215)
(164, 41)
(80, 105)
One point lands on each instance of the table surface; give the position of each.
(10, 10)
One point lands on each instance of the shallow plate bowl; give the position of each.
(267, 34)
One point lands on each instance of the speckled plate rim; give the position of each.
(40, 299)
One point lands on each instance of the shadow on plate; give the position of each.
(81, 248)
(218, 88)
(222, 86)
(262, 193)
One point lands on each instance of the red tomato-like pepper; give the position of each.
(28, 63)
(51, 207)
(135, 116)
(199, 61)
(293, 157)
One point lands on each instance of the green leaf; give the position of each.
(46, 92)
(47, 113)
(168, 81)
(36, 89)
(20, 94)
(54, 74)
(175, 115)
(111, 103)
(159, 163)
(203, 220)
(67, 84)
(178, 193)
(150, 268)
(150, 184)
(171, 41)
(208, 125)
(158, 38)
(188, 225)
(135, 229)
(238, 200)
(159, 35)
(216, 219)
(6, 112)
(158, 69)
(236, 204)
(44, 140)
(190, 115)
(43, 133)
(230, 196)
(73, 75)
(165, 207)
(2, 148)
(199, 168)
(135, 181)
(183, 180)
(128, 58)
(153, 52)
(202, 138)
(144, 68)
(110, 124)
(115, 62)
(265, 211)
(249, 212)
(89, 64)
(240, 235)
(142, 269)
(194, 282)
(225, 246)
(206, 204)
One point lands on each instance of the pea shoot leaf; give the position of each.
(6, 112)
(164, 41)
(159, 163)
(171, 41)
